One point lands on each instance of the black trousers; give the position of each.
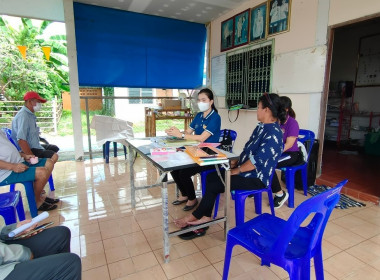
(295, 158)
(50, 147)
(182, 178)
(52, 257)
(214, 186)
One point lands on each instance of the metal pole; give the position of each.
(88, 128)
(55, 114)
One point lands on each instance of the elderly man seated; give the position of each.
(26, 132)
(18, 167)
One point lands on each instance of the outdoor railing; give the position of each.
(47, 119)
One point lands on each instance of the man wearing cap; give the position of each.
(26, 132)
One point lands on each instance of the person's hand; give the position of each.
(28, 229)
(235, 171)
(28, 157)
(173, 131)
(234, 163)
(19, 168)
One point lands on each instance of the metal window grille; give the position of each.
(248, 74)
(147, 92)
(140, 92)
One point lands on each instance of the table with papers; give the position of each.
(165, 164)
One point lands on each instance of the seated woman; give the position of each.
(204, 128)
(290, 130)
(256, 163)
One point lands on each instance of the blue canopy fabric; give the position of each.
(124, 49)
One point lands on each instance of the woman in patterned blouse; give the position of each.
(256, 163)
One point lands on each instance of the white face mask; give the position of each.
(203, 106)
(37, 107)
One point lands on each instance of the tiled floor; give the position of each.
(117, 242)
(360, 170)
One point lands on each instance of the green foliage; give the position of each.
(109, 104)
(18, 75)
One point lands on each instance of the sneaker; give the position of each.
(280, 200)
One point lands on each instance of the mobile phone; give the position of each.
(209, 151)
(43, 226)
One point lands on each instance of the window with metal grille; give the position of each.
(248, 74)
(140, 92)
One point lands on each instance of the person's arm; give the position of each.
(291, 134)
(188, 134)
(269, 149)
(245, 167)
(289, 142)
(25, 147)
(200, 138)
(15, 167)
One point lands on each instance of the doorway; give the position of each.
(351, 147)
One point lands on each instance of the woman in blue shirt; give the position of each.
(256, 164)
(204, 128)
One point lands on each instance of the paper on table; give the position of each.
(209, 145)
(35, 220)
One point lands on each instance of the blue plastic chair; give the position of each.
(29, 190)
(10, 206)
(240, 196)
(8, 132)
(307, 138)
(287, 243)
(204, 174)
(106, 151)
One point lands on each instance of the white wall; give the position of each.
(38, 9)
(298, 65)
(342, 11)
(129, 112)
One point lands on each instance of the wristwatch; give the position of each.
(183, 135)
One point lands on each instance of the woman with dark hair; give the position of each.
(290, 130)
(253, 169)
(204, 128)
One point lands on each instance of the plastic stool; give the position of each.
(106, 151)
(9, 203)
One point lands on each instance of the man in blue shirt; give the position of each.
(25, 131)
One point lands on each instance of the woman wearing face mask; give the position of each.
(204, 128)
(253, 169)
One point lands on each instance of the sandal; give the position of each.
(51, 200)
(193, 234)
(46, 207)
(178, 202)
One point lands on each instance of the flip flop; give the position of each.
(51, 200)
(46, 207)
(193, 234)
(191, 207)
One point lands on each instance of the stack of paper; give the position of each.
(203, 158)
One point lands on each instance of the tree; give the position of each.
(18, 75)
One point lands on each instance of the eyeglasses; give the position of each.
(268, 98)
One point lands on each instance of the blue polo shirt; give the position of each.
(24, 126)
(210, 123)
